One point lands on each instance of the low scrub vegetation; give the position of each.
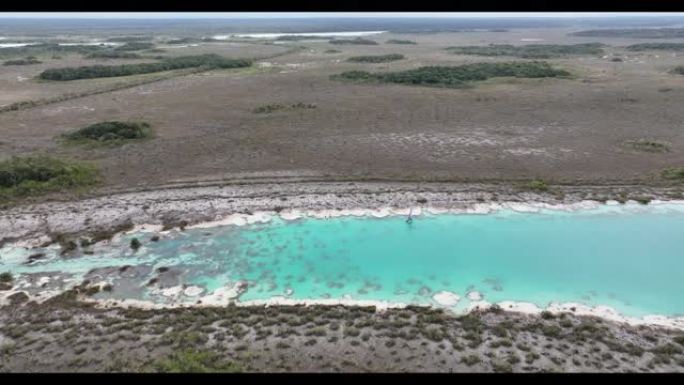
(113, 55)
(655, 47)
(679, 70)
(208, 61)
(273, 107)
(26, 176)
(458, 76)
(673, 173)
(135, 46)
(399, 41)
(537, 186)
(648, 146)
(376, 58)
(195, 361)
(531, 51)
(332, 51)
(357, 41)
(22, 62)
(111, 132)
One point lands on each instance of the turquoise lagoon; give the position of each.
(629, 257)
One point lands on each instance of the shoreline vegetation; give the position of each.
(376, 58)
(530, 51)
(22, 177)
(207, 61)
(456, 76)
(72, 335)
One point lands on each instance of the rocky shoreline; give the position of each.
(185, 206)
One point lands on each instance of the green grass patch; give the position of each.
(208, 61)
(376, 58)
(537, 185)
(49, 48)
(357, 41)
(28, 176)
(457, 76)
(110, 132)
(530, 51)
(399, 41)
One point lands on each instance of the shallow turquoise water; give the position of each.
(628, 257)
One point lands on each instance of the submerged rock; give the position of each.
(446, 298)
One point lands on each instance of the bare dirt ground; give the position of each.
(565, 130)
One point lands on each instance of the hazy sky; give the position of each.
(175, 15)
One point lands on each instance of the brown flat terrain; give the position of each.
(563, 130)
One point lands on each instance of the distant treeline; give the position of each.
(645, 33)
(398, 41)
(299, 37)
(127, 39)
(100, 71)
(35, 49)
(457, 76)
(530, 51)
(656, 47)
(113, 55)
(376, 58)
(134, 46)
(357, 41)
(21, 62)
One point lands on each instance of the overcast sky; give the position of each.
(214, 15)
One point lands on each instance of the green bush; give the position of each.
(111, 131)
(457, 76)
(24, 176)
(208, 61)
(332, 51)
(397, 41)
(679, 70)
(648, 146)
(376, 58)
(6, 277)
(531, 51)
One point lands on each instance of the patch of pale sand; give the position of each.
(474, 296)
(193, 291)
(446, 298)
